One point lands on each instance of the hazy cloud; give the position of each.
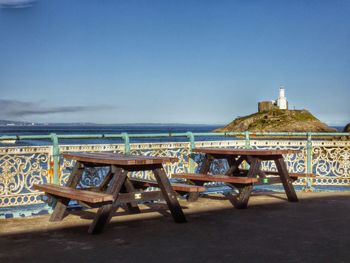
(15, 109)
(16, 3)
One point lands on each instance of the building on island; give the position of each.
(281, 103)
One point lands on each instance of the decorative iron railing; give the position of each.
(22, 166)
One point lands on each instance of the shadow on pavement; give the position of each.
(271, 230)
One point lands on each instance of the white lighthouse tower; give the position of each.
(282, 103)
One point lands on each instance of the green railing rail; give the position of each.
(126, 137)
(160, 135)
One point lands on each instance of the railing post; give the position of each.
(192, 142)
(56, 157)
(126, 139)
(246, 146)
(247, 139)
(190, 136)
(308, 186)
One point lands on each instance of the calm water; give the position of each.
(105, 129)
(108, 129)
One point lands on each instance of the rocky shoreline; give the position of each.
(277, 120)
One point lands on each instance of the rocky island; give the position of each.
(274, 116)
(277, 121)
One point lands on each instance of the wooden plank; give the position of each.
(179, 187)
(286, 181)
(169, 195)
(293, 175)
(104, 213)
(75, 177)
(240, 201)
(297, 175)
(72, 182)
(103, 186)
(187, 188)
(205, 167)
(249, 152)
(272, 180)
(216, 178)
(132, 206)
(118, 159)
(233, 164)
(269, 180)
(75, 194)
(139, 196)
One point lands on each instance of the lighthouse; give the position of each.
(282, 103)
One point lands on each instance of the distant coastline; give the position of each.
(24, 123)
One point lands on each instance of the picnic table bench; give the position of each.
(180, 188)
(238, 179)
(85, 196)
(115, 188)
(244, 179)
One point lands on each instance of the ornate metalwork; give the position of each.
(179, 150)
(21, 167)
(331, 162)
(295, 162)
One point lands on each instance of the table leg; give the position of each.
(205, 167)
(286, 181)
(103, 186)
(241, 200)
(62, 203)
(60, 209)
(169, 195)
(233, 164)
(104, 213)
(132, 207)
(128, 188)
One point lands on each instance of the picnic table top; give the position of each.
(249, 152)
(118, 159)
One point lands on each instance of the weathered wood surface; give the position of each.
(292, 175)
(72, 182)
(75, 194)
(236, 179)
(216, 178)
(242, 179)
(104, 213)
(240, 201)
(116, 186)
(248, 152)
(169, 195)
(118, 159)
(132, 206)
(178, 187)
(286, 180)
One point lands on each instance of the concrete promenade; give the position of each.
(317, 229)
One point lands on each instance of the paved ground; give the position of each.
(317, 229)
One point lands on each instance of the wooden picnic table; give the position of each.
(115, 188)
(244, 179)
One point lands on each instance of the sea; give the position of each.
(110, 129)
(106, 129)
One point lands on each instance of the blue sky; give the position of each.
(125, 61)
